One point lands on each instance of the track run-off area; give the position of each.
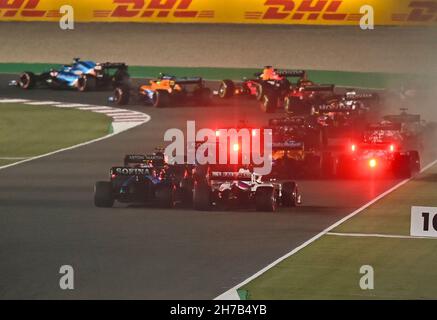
(48, 218)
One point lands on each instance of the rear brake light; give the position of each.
(353, 148)
(372, 163)
(253, 133)
(217, 133)
(113, 175)
(392, 148)
(236, 147)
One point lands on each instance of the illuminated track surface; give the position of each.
(48, 219)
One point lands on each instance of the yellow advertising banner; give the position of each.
(311, 12)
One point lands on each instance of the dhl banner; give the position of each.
(314, 12)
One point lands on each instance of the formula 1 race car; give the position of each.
(146, 179)
(345, 114)
(301, 99)
(379, 153)
(299, 148)
(165, 91)
(235, 186)
(266, 85)
(413, 128)
(81, 75)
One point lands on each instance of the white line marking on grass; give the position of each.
(41, 103)
(13, 100)
(13, 158)
(118, 126)
(375, 235)
(232, 293)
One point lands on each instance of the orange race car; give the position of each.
(165, 91)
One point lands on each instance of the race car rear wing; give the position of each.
(320, 87)
(360, 96)
(186, 80)
(143, 158)
(280, 122)
(392, 126)
(129, 172)
(287, 73)
(113, 65)
(230, 176)
(288, 145)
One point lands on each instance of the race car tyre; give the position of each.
(201, 196)
(121, 95)
(288, 107)
(161, 99)
(402, 166)
(165, 196)
(269, 102)
(290, 194)
(86, 83)
(121, 77)
(226, 89)
(260, 89)
(265, 199)
(103, 197)
(415, 161)
(27, 80)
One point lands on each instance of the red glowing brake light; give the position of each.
(236, 147)
(113, 175)
(253, 133)
(353, 147)
(392, 148)
(217, 133)
(372, 163)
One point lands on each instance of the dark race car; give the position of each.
(413, 128)
(302, 97)
(145, 179)
(265, 87)
(165, 91)
(380, 153)
(81, 75)
(346, 114)
(299, 148)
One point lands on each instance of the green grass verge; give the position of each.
(27, 131)
(329, 267)
(341, 78)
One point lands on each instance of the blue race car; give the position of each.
(146, 179)
(81, 75)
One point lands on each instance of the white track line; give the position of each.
(376, 235)
(232, 293)
(118, 125)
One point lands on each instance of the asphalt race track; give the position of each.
(47, 216)
(47, 219)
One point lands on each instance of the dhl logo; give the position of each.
(420, 11)
(153, 8)
(24, 8)
(302, 10)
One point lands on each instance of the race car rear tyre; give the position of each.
(269, 102)
(121, 96)
(165, 196)
(161, 99)
(86, 83)
(103, 197)
(201, 196)
(415, 161)
(27, 80)
(402, 166)
(265, 199)
(289, 196)
(121, 77)
(260, 89)
(226, 89)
